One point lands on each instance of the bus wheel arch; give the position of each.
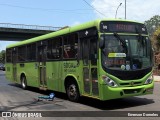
(72, 88)
(23, 81)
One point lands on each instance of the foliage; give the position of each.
(156, 40)
(2, 56)
(153, 27)
(152, 24)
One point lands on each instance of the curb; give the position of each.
(156, 80)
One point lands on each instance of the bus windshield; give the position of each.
(135, 54)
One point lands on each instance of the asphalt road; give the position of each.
(13, 98)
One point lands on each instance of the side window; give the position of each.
(70, 46)
(54, 48)
(21, 53)
(93, 51)
(85, 51)
(14, 55)
(31, 52)
(9, 55)
(29, 49)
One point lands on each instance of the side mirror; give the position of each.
(101, 43)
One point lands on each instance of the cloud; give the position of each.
(139, 10)
(75, 23)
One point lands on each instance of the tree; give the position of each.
(152, 24)
(156, 40)
(2, 56)
(153, 27)
(156, 45)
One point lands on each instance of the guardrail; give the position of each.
(31, 27)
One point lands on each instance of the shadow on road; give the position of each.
(102, 105)
(32, 105)
(116, 103)
(37, 90)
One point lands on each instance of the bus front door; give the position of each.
(42, 66)
(89, 57)
(14, 59)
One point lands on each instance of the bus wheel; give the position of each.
(24, 82)
(72, 91)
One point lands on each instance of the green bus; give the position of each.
(101, 59)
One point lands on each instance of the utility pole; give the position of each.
(125, 9)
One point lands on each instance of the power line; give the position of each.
(94, 8)
(44, 9)
(56, 10)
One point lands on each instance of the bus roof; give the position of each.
(66, 30)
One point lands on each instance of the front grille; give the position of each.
(131, 91)
(129, 84)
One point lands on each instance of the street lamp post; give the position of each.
(117, 9)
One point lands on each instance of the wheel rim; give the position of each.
(23, 83)
(72, 92)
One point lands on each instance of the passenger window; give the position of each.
(31, 52)
(70, 46)
(22, 53)
(54, 48)
(9, 55)
(93, 51)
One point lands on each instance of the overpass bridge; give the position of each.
(18, 32)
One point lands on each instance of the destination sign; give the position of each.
(122, 27)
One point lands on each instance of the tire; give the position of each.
(24, 83)
(72, 92)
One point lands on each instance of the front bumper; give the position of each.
(122, 92)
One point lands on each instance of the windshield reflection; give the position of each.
(135, 55)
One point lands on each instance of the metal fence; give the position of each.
(31, 27)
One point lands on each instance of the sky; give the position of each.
(60, 13)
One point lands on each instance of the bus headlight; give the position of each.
(109, 81)
(149, 80)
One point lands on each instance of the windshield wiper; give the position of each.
(121, 40)
(139, 34)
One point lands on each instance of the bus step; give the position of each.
(43, 88)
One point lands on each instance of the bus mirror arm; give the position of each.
(101, 44)
(77, 62)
